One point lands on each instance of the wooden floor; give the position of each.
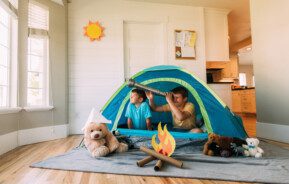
(14, 165)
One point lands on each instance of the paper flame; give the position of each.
(167, 143)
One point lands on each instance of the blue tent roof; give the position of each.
(217, 116)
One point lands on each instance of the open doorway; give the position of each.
(243, 90)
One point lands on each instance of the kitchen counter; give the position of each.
(243, 88)
(220, 83)
(244, 100)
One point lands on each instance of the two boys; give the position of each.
(183, 112)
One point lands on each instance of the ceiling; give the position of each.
(245, 55)
(238, 18)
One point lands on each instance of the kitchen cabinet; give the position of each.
(244, 101)
(215, 65)
(236, 101)
(224, 71)
(216, 34)
(231, 69)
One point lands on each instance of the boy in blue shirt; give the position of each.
(138, 111)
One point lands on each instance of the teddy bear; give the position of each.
(220, 145)
(100, 141)
(252, 149)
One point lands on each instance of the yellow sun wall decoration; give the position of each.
(94, 31)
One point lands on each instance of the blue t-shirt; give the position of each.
(138, 115)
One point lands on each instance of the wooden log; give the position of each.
(158, 165)
(144, 161)
(169, 160)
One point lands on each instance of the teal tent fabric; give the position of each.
(216, 115)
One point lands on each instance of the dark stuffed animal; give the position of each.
(220, 145)
(237, 150)
(212, 149)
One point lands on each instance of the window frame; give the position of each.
(35, 33)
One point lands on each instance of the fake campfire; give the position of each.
(162, 151)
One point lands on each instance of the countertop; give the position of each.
(243, 88)
(220, 83)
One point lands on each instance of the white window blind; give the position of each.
(38, 16)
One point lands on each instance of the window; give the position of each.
(8, 56)
(242, 79)
(37, 62)
(4, 53)
(37, 81)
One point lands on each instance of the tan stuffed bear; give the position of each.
(100, 141)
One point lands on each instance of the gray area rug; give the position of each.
(272, 168)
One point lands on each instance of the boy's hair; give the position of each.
(180, 90)
(141, 93)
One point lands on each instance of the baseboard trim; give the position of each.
(275, 132)
(34, 135)
(29, 136)
(8, 142)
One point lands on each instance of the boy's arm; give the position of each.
(180, 115)
(129, 123)
(128, 116)
(148, 116)
(149, 124)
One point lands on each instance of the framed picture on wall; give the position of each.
(185, 44)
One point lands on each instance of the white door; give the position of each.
(143, 46)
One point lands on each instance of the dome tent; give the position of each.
(216, 115)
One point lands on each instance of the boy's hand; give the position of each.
(150, 128)
(129, 123)
(149, 95)
(149, 124)
(170, 97)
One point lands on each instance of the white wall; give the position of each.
(216, 31)
(224, 92)
(270, 40)
(96, 69)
